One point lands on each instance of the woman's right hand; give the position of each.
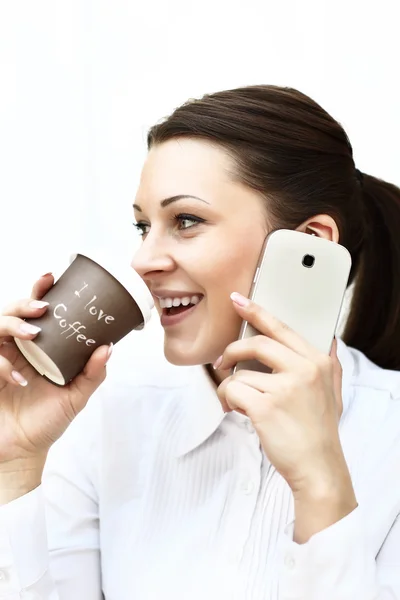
(35, 414)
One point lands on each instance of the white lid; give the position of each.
(126, 276)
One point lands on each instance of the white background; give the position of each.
(82, 80)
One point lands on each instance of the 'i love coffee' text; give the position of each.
(76, 328)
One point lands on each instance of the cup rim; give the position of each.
(127, 277)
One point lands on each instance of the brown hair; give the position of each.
(299, 158)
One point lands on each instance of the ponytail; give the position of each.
(373, 324)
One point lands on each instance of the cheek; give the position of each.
(233, 269)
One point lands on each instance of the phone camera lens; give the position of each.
(308, 261)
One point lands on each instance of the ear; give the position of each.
(323, 226)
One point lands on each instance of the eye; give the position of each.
(187, 221)
(183, 221)
(141, 227)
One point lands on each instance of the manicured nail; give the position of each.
(217, 362)
(19, 379)
(239, 299)
(28, 328)
(110, 351)
(47, 274)
(38, 304)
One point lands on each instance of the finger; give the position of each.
(26, 308)
(42, 286)
(94, 373)
(9, 374)
(15, 327)
(265, 350)
(253, 379)
(265, 383)
(262, 382)
(270, 326)
(239, 396)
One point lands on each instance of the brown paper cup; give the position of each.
(89, 306)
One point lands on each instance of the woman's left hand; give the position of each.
(296, 408)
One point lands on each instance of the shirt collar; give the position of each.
(199, 414)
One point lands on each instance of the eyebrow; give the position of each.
(172, 199)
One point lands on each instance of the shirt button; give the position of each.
(247, 487)
(290, 562)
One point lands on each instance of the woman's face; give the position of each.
(202, 235)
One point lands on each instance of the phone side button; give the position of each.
(256, 275)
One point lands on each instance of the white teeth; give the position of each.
(185, 301)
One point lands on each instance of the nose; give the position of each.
(152, 257)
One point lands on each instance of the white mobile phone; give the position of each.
(301, 279)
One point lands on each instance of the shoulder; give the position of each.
(370, 423)
(371, 404)
(121, 425)
(367, 376)
(139, 388)
(370, 433)
(134, 397)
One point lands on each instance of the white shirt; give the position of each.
(153, 493)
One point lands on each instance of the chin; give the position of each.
(187, 354)
(183, 359)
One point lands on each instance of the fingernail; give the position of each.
(110, 351)
(28, 328)
(38, 304)
(217, 362)
(19, 379)
(239, 299)
(47, 274)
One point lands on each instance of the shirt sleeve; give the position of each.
(338, 564)
(49, 538)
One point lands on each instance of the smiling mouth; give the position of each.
(174, 315)
(175, 305)
(176, 310)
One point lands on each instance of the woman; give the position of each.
(194, 483)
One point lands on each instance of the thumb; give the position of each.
(93, 375)
(221, 395)
(337, 377)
